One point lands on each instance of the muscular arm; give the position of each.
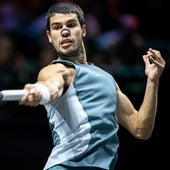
(54, 77)
(141, 122)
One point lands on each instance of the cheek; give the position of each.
(54, 39)
(76, 32)
(78, 36)
(54, 35)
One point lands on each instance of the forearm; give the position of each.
(148, 109)
(55, 89)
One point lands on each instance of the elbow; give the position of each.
(143, 134)
(142, 137)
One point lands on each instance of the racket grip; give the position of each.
(11, 95)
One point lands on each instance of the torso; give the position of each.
(80, 118)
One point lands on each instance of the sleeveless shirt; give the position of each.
(83, 120)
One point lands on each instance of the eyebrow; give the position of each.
(71, 20)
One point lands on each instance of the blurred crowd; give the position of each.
(119, 32)
(115, 39)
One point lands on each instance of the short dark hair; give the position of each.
(64, 8)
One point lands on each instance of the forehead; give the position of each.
(62, 18)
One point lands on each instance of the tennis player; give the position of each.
(84, 103)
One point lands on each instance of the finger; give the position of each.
(146, 59)
(156, 57)
(154, 53)
(157, 62)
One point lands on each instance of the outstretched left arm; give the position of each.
(140, 122)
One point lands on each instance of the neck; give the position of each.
(80, 57)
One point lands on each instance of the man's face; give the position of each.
(66, 33)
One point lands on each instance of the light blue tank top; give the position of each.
(83, 121)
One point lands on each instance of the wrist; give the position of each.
(45, 93)
(155, 81)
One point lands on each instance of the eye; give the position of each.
(71, 25)
(57, 27)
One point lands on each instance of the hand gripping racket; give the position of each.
(11, 95)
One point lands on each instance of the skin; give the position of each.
(66, 34)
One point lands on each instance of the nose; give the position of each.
(65, 32)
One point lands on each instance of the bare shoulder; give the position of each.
(57, 69)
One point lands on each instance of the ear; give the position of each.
(49, 36)
(83, 28)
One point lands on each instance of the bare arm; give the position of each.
(141, 122)
(54, 78)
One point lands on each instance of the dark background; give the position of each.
(25, 139)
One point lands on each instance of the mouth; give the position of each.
(66, 43)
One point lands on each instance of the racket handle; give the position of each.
(11, 95)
